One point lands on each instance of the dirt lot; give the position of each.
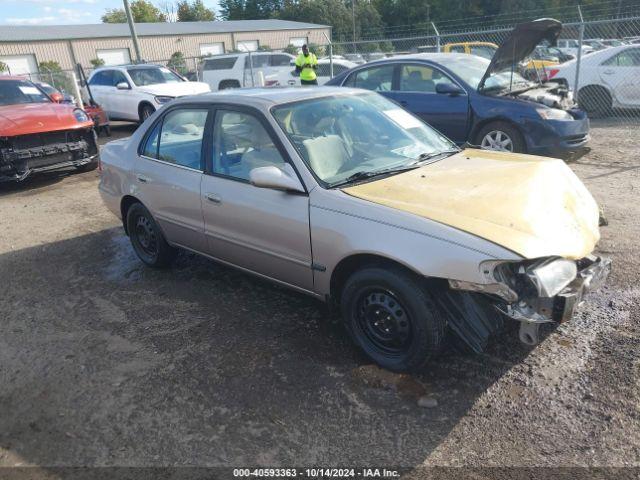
(106, 362)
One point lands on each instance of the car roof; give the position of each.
(13, 77)
(267, 97)
(432, 56)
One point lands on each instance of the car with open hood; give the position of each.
(344, 196)
(38, 134)
(484, 102)
(134, 92)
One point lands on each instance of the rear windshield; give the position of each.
(13, 92)
(152, 76)
(225, 63)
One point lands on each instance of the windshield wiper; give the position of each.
(362, 175)
(423, 157)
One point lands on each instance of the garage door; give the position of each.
(20, 64)
(114, 56)
(248, 45)
(211, 49)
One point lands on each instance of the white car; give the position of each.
(608, 79)
(234, 70)
(135, 92)
(571, 46)
(323, 73)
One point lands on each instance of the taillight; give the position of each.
(271, 83)
(552, 72)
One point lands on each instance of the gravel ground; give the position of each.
(105, 362)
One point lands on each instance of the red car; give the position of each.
(37, 134)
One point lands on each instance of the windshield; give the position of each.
(471, 69)
(345, 138)
(152, 76)
(13, 92)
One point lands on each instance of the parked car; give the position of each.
(571, 47)
(54, 94)
(551, 53)
(342, 195)
(38, 134)
(471, 99)
(234, 70)
(481, 49)
(355, 58)
(608, 79)
(323, 72)
(134, 92)
(613, 42)
(595, 43)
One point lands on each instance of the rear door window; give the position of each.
(177, 138)
(377, 79)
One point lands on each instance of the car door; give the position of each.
(100, 84)
(620, 73)
(415, 90)
(168, 174)
(259, 229)
(123, 101)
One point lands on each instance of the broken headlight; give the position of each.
(553, 114)
(552, 276)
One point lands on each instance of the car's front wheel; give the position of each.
(502, 137)
(595, 100)
(147, 238)
(392, 318)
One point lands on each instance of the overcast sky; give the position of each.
(57, 12)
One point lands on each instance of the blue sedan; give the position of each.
(469, 99)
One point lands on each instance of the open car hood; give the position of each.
(520, 43)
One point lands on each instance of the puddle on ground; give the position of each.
(124, 264)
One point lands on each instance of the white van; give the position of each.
(234, 71)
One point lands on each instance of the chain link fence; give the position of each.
(598, 59)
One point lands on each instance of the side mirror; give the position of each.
(57, 97)
(449, 89)
(123, 86)
(276, 178)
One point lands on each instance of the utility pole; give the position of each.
(353, 20)
(132, 28)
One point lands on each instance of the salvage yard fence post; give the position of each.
(576, 82)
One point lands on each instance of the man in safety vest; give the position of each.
(306, 65)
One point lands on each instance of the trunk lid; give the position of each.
(533, 206)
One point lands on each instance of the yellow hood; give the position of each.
(534, 206)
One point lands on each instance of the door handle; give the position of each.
(142, 179)
(608, 72)
(213, 198)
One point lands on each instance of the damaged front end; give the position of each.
(22, 155)
(531, 292)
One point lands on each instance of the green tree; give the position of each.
(249, 9)
(96, 62)
(178, 63)
(142, 11)
(195, 11)
(325, 12)
(51, 72)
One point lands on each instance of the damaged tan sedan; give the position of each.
(341, 194)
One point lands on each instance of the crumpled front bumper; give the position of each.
(592, 274)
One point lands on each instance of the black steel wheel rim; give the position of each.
(146, 237)
(383, 322)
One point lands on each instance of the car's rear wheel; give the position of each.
(595, 100)
(392, 318)
(146, 110)
(502, 137)
(226, 84)
(147, 239)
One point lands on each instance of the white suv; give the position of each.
(134, 92)
(234, 70)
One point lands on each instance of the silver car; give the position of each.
(343, 195)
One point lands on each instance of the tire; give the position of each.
(503, 133)
(146, 110)
(88, 167)
(147, 239)
(107, 130)
(226, 84)
(374, 304)
(595, 100)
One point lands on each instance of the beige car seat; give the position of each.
(326, 155)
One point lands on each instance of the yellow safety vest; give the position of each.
(307, 73)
